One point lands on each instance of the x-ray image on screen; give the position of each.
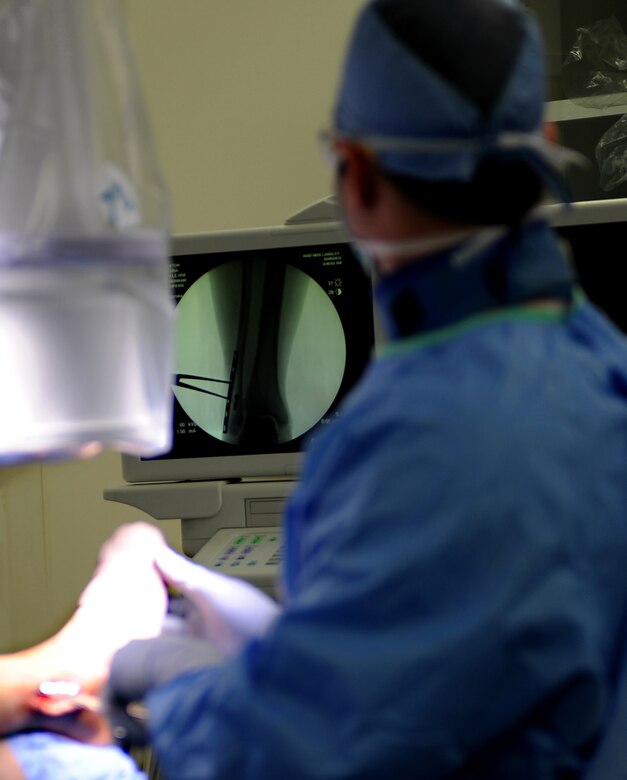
(274, 328)
(261, 352)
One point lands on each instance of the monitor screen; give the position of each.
(274, 326)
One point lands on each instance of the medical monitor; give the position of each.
(274, 326)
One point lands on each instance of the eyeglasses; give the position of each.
(329, 142)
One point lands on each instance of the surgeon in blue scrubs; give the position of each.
(455, 574)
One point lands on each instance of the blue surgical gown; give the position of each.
(455, 576)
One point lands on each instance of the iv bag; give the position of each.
(86, 315)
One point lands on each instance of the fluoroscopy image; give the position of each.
(260, 352)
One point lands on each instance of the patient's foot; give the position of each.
(125, 600)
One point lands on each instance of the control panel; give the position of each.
(254, 554)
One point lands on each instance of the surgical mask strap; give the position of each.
(414, 247)
(471, 242)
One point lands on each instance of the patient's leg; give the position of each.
(9, 768)
(42, 756)
(125, 600)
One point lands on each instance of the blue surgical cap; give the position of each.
(471, 83)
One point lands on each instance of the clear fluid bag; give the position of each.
(86, 316)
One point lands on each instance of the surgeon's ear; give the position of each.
(551, 132)
(358, 173)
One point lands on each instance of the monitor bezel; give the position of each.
(285, 465)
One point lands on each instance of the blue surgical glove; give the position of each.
(226, 611)
(139, 667)
(214, 617)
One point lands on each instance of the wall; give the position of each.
(236, 91)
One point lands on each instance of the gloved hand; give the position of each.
(224, 610)
(139, 667)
